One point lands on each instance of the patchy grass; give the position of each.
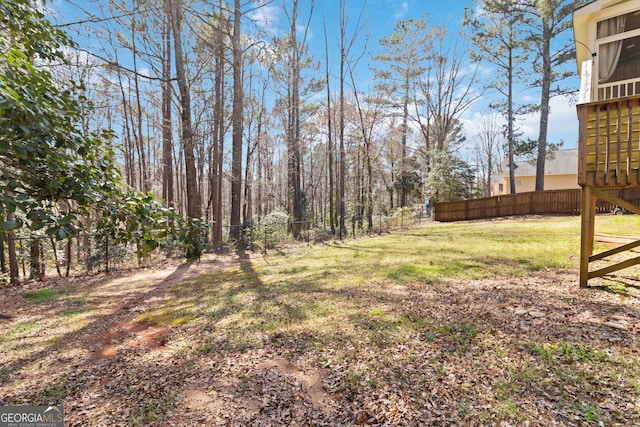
(19, 330)
(167, 316)
(618, 224)
(432, 254)
(42, 295)
(49, 393)
(414, 328)
(616, 287)
(568, 352)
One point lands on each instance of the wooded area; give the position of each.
(199, 120)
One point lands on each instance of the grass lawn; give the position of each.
(474, 323)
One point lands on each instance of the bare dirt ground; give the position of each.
(91, 350)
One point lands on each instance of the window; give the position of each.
(618, 59)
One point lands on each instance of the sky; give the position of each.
(379, 19)
(563, 122)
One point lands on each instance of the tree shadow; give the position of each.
(101, 325)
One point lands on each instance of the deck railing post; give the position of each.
(588, 211)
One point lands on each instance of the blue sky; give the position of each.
(380, 18)
(383, 15)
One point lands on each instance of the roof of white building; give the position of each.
(560, 162)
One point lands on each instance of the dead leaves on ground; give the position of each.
(520, 351)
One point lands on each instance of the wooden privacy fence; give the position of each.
(551, 202)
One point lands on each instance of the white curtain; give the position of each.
(609, 53)
(585, 82)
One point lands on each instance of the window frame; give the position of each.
(611, 90)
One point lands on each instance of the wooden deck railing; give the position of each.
(609, 143)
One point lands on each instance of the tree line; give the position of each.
(205, 117)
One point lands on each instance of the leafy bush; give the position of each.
(272, 229)
(400, 217)
(321, 234)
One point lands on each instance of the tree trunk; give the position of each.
(246, 205)
(510, 121)
(237, 119)
(403, 152)
(192, 195)
(128, 152)
(218, 143)
(142, 156)
(167, 125)
(3, 238)
(259, 200)
(296, 197)
(342, 154)
(330, 190)
(13, 256)
(544, 104)
(35, 270)
(369, 189)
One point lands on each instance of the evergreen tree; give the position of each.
(498, 39)
(402, 62)
(548, 21)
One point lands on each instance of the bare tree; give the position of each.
(330, 142)
(487, 149)
(448, 90)
(403, 62)
(191, 181)
(294, 53)
(498, 40)
(368, 119)
(346, 44)
(167, 123)
(550, 20)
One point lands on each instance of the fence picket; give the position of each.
(550, 202)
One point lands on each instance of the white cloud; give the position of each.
(301, 28)
(402, 11)
(266, 18)
(563, 123)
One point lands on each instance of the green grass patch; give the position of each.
(4, 372)
(49, 393)
(618, 224)
(70, 312)
(568, 352)
(588, 412)
(616, 288)
(42, 295)
(466, 250)
(168, 316)
(20, 329)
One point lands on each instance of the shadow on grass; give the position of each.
(241, 312)
(432, 327)
(98, 326)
